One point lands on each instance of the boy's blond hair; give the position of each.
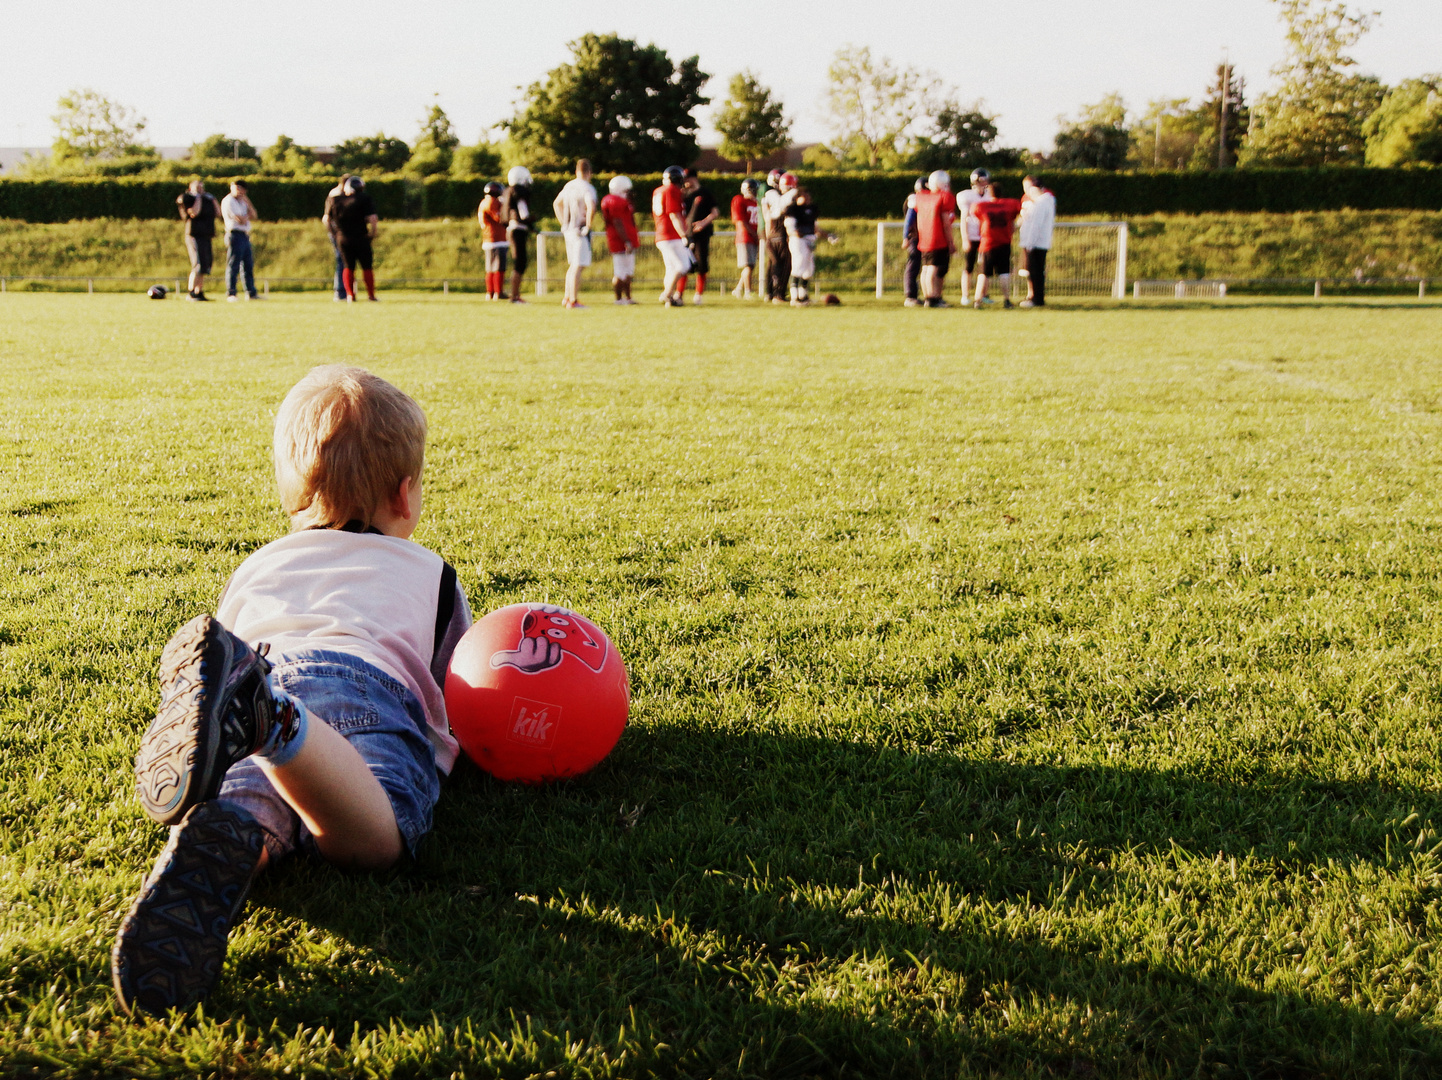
(344, 441)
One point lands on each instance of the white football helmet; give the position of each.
(619, 185)
(519, 176)
(939, 181)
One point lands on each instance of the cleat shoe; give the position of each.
(1027, 304)
(171, 947)
(216, 708)
(1006, 304)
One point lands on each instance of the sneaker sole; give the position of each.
(175, 767)
(171, 946)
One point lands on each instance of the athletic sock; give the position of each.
(370, 276)
(681, 285)
(700, 284)
(288, 733)
(347, 278)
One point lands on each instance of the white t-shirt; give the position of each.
(1038, 217)
(964, 202)
(236, 214)
(577, 203)
(369, 596)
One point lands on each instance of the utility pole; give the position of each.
(1226, 96)
(1157, 150)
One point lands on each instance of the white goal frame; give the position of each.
(1118, 284)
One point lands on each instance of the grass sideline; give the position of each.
(1032, 694)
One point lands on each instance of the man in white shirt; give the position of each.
(971, 225)
(239, 215)
(1038, 218)
(575, 206)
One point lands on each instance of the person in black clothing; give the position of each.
(800, 223)
(701, 211)
(198, 210)
(520, 220)
(354, 218)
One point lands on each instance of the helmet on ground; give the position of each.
(773, 178)
(748, 187)
(674, 174)
(939, 181)
(980, 176)
(788, 181)
(494, 189)
(156, 292)
(519, 176)
(920, 185)
(619, 185)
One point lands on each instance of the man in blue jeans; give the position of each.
(239, 215)
(328, 220)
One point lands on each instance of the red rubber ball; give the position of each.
(536, 693)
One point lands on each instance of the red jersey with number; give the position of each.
(744, 218)
(998, 219)
(665, 201)
(620, 218)
(935, 212)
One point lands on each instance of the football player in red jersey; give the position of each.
(669, 212)
(935, 216)
(998, 221)
(621, 236)
(744, 219)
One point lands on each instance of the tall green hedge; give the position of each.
(848, 195)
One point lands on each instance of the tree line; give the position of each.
(631, 107)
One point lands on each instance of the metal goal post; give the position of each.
(1087, 258)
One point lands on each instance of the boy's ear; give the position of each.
(401, 500)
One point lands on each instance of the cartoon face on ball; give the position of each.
(549, 633)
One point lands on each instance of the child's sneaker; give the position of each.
(216, 708)
(171, 946)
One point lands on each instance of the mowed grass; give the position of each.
(1047, 693)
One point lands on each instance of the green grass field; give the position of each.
(1048, 693)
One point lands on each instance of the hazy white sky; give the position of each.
(324, 72)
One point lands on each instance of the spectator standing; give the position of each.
(970, 225)
(198, 209)
(492, 216)
(998, 220)
(779, 195)
(800, 221)
(1038, 219)
(912, 270)
(621, 236)
(701, 214)
(744, 219)
(575, 207)
(670, 217)
(519, 222)
(328, 221)
(935, 215)
(356, 222)
(239, 215)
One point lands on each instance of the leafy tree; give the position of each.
(376, 153)
(1175, 134)
(873, 106)
(961, 137)
(223, 146)
(1406, 128)
(1315, 116)
(1097, 139)
(483, 159)
(752, 123)
(435, 146)
(626, 107)
(285, 155)
(91, 125)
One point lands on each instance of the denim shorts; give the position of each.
(377, 715)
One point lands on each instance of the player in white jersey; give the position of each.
(970, 225)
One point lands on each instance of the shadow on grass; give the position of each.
(826, 906)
